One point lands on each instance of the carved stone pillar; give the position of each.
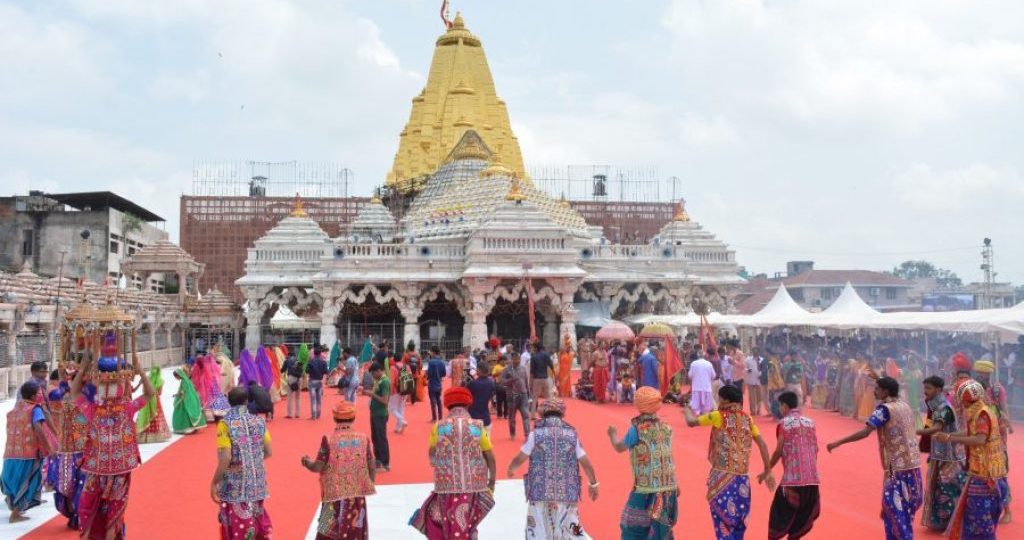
(411, 332)
(476, 320)
(253, 336)
(474, 332)
(549, 334)
(328, 324)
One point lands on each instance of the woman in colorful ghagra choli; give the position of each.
(187, 416)
(151, 423)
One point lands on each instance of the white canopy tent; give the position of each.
(781, 310)
(848, 311)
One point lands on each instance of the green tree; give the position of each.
(923, 270)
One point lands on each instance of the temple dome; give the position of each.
(374, 221)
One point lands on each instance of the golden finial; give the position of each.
(681, 214)
(458, 22)
(515, 191)
(563, 202)
(375, 199)
(495, 168)
(299, 210)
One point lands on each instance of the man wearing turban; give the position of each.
(732, 432)
(995, 398)
(462, 456)
(986, 494)
(553, 482)
(652, 506)
(347, 472)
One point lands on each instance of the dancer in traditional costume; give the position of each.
(266, 373)
(553, 480)
(566, 356)
(913, 381)
(847, 394)
(776, 385)
(652, 506)
(239, 484)
(984, 497)
(62, 466)
(345, 465)
(797, 501)
(832, 382)
(187, 416)
(464, 473)
(893, 421)
(946, 474)
(205, 377)
(732, 432)
(864, 390)
(996, 399)
(151, 422)
(248, 371)
(111, 448)
(21, 481)
(599, 360)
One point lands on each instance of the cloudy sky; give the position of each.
(856, 134)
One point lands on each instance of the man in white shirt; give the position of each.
(753, 379)
(701, 374)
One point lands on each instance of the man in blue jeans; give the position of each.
(316, 370)
(351, 375)
(436, 372)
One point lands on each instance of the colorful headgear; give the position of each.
(984, 366)
(457, 397)
(961, 362)
(344, 410)
(970, 391)
(494, 342)
(647, 400)
(551, 405)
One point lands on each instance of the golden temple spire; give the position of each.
(300, 209)
(459, 96)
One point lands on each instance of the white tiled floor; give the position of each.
(390, 509)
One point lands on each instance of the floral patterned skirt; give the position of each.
(553, 521)
(444, 516)
(944, 482)
(343, 520)
(729, 499)
(244, 521)
(978, 510)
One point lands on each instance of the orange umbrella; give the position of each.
(615, 330)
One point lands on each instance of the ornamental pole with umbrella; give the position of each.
(615, 330)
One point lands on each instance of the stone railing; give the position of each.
(663, 251)
(287, 255)
(524, 244)
(401, 251)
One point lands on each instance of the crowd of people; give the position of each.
(83, 429)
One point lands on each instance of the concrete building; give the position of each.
(93, 231)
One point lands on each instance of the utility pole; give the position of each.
(990, 273)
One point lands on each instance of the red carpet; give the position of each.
(170, 494)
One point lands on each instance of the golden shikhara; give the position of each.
(459, 96)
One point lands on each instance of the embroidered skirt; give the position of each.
(157, 430)
(452, 515)
(343, 520)
(244, 521)
(22, 483)
(649, 516)
(793, 512)
(978, 510)
(901, 497)
(944, 482)
(553, 521)
(67, 481)
(102, 505)
(729, 499)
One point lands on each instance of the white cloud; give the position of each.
(974, 187)
(193, 87)
(698, 131)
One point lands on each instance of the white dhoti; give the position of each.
(553, 521)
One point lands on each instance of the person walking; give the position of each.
(436, 372)
(349, 383)
(652, 506)
(893, 421)
(379, 416)
(22, 478)
(346, 469)
(553, 480)
(316, 370)
(732, 433)
(752, 377)
(649, 365)
(541, 368)
(396, 402)
(701, 374)
(462, 457)
(293, 370)
(516, 379)
(482, 388)
(797, 502)
(239, 485)
(500, 392)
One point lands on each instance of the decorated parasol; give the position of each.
(615, 330)
(657, 330)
